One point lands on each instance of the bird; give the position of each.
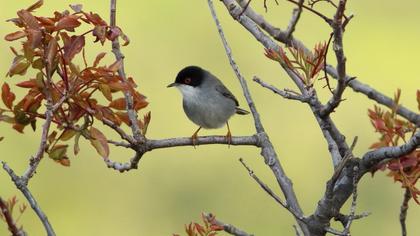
(206, 100)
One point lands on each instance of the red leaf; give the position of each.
(52, 51)
(14, 36)
(98, 58)
(118, 104)
(114, 67)
(74, 47)
(7, 96)
(95, 19)
(28, 19)
(19, 66)
(99, 142)
(68, 22)
(28, 84)
(35, 6)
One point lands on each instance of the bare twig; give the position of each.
(284, 93)
(228, 228)
(353, 202)
(271, 193)
(294, 20)
(325, 18)
(403, 212)
(132, 114)
(21, 184)
(341, 61)
(267, 148)
(13, 228)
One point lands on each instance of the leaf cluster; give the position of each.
(76, 94)
(393, 131)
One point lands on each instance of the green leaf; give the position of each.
(67, 134)
(58, 152)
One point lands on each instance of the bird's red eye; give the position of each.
(187, 80)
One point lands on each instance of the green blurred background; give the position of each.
(173, 186)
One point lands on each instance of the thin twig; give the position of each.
(294, 20)
(403, 212)
(14, 230)
(271, 193)
(338, 31)
(21, 185)
(132, 114)
(353, 202)
(228, 228)
(284, 93)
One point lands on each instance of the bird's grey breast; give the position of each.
(206, 106)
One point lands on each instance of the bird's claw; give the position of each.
(229, 138)
(194, 139)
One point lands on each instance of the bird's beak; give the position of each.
(172, 85)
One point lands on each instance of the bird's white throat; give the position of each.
(189, 92)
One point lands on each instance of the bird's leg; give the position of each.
(228, 135)
(194, 137)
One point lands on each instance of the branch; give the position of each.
(403, 212)
(284, 93)
(338, 31)
(9, 220)
(294, 20)
(150, 145)
(271, 193)
(385, 154)
(132, 114)
(228, 228)
(267, 149)
(254, 22)
(21, 184)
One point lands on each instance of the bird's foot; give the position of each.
(229, 138)
(194, 139)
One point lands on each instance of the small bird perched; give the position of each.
(206, 101)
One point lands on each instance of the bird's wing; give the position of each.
(225, 92)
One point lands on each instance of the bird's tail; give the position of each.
(241, 111)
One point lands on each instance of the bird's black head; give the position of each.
(190, 75)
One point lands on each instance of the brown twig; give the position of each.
(403, 212)
(228, 228)
(14, 230)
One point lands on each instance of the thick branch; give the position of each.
(267, 149)
(132, 114)
(228, 228)
(21, 185)
(9, 220)
(372, 158)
